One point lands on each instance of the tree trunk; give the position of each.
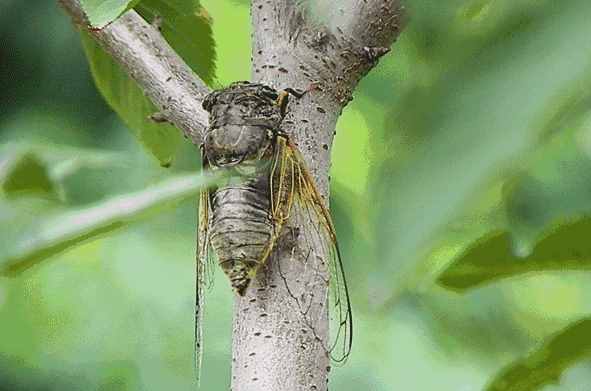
(275, 346)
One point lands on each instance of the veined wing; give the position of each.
(204, 269)
(294, 194)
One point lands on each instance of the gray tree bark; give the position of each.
(275, 346)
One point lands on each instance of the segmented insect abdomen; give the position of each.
(241, 229)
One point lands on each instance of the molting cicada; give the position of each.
(241, 221)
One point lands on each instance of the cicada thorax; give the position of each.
(244, 119)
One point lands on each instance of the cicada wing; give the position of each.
(204, 269)
(294, 194)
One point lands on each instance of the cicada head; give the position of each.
(243, 120)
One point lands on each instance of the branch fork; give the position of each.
(273, 348)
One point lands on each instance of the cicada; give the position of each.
(240, 221)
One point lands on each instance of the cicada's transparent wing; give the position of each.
(294, 195)
(205, 269)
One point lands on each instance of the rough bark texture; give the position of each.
(163, 76)
(274, 348)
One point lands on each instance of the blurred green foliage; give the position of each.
(546, 364)
(463, 162)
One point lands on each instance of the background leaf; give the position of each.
(61, 230)
(187, 29)
(492, 257)
(459, 131)
(102, 12)
(547, 206)
(24, 173)
(546, 364)
(61, 160)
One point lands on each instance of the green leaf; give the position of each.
(102, 12)
(24, 173)
(462, 131)
(187, 29)
(50, 235)
(547, 219)
(546, 364)
(554, 187)
(62, 160)
(491, 258)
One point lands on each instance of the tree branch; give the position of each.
(275, 346)
(374, 23)
(160, 72)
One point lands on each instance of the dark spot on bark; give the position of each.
(252, 354)
(268, 336)
(169, 78)
(264, 315)
(257, 334)
(320, 110)
(272, 286)
(325, 147)
(252, 300)
(282, 70)
(255, 378)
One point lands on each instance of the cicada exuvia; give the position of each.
(240, 221)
